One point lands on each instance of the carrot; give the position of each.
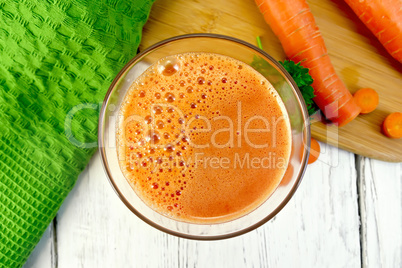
(294, 25)
(315, 150)
(384, 20)
(392, 125)
(366, 99)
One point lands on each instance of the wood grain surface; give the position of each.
(358, 57)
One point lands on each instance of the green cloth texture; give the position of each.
(57, 61)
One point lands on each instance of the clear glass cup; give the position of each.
(240, 50)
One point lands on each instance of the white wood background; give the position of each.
(346, 213)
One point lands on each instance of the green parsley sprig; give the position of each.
(303, 80)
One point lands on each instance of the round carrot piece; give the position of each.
(366, 99)
(392, 126)
(288, 175)
(315, 150)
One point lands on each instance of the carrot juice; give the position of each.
(203, 138)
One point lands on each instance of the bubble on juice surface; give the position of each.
(166, 135)
(157, 109)
(170, 97)
(141, 94)
(169, 66)
(153, 136)
(160, 124)
(169, 148)
(201, 80)
(148, 119)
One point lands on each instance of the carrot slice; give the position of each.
(288, 175)
(315, 150)
(367, 99)
(392, 126)
(294, 25)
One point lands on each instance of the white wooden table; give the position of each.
(346, 213)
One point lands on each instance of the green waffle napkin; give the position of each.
(57, 60)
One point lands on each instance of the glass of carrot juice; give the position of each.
(204, 136)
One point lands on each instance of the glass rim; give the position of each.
(116, 189)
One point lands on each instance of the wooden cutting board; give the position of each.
(359, 59)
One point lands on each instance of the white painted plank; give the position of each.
(95, 229)
(42, 256)
(381, 187)
(318, 227)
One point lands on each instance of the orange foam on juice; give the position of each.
(203, 138)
